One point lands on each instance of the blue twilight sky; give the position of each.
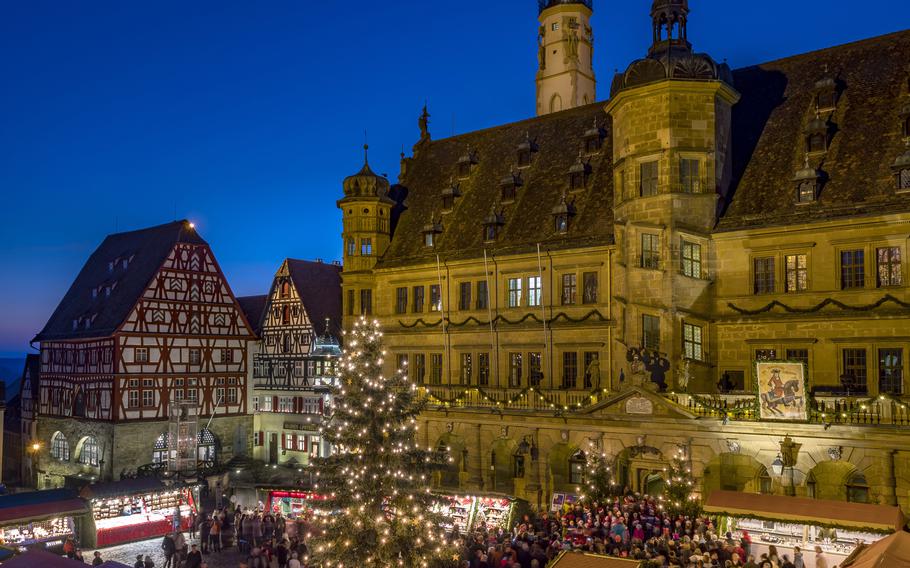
(245, 116)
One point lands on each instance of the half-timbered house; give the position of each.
(294, 361)
(150, 320)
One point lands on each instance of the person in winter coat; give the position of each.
(169, 548)
(194, 558)
(139, 563)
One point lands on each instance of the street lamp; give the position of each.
(34, 449)
(777, 466)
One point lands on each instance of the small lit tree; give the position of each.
(680, 497)
(598, 474)
(379, 510)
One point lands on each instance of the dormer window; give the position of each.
(449, 195)
(463, 167)
(509, 186)
(901, 169)
(594, 138)
(826, 95)
(817, 135)
(578, 174)
(525, 151)
(562, 212)
(808, 183)
(492, 224)
(430, 232)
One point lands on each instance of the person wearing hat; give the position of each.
(139, 563)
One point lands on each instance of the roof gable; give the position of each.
(634, 402)
(318, 285)
(119, 271)
(253, 308)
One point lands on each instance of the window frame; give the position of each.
(435, 298)
(689, 265)
(849, 362)
(568, 289)
(764, 277)
(417, 303)
(649, 185)
(464, 295)
(688, 182)
(796, 270)
(894, 266)
(649, 244)
(650, 332)
(569, 369)
(513, 292)
(366, 246)
(401, 300)
(535, 291)
(516, 368)
(852, 273)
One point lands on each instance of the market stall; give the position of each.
(291, 504)
(136, 509)
(836, 526)
(465, 512)
(575, 559)
(40, 519)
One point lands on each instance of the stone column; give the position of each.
(476, 479)
(889, 481)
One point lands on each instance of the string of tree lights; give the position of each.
(679, 497)
(379, 508)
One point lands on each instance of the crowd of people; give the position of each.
(632, 527)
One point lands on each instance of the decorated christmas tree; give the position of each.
(599, 486)
(379, 510)
(680, 498)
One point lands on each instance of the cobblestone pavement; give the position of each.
(126, 554)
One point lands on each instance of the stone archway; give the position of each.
(735, 472)
(638, 466)
(502, 456)
(558, 465)
(453, 446)
(839, 481)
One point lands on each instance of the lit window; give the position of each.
(691, 259)
(429, 239)
(806, 192)
(60, 448)
(89, 455)
(797, 269)
(467, 368)
(888, 260)
(435, 298)
(569, 289)
(514, 292)
(589, 280)
(692, 341)
(554, 26)
(534, 291)
(515, 369)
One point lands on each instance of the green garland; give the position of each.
(823, 304)
(742, 407)
(592, 396)
(561, 316)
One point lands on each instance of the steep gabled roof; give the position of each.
(252, 307)
(319, 286)
(528, 220)
(144, 251)
(770, 120)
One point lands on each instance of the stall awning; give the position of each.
(880, 518)
(570, 559)
(123, 487)
(41, 558)
(892, 550)
(37, 505)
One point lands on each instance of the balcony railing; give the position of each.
(826, 410)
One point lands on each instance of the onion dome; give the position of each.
(366, 183)
(564, 207)
(671, 55)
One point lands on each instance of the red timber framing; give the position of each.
(184, 339)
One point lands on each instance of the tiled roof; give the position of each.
(319, 287)
(528, 220)
(253, 307)
(144, 251)
(776, 107)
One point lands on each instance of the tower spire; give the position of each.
(565, 53)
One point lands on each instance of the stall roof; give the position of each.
(802, 510)
(569, 559)
(893, 550)
(41, 558)
(36, 505)
(122, 487)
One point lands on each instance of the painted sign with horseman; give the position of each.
(781, 390)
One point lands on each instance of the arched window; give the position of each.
(764, 481)
(857, 488)
(60, 448)
(159, 453)
(90, 454)
(577, 465)
(207, 445)
(285, 289)
(556, 103)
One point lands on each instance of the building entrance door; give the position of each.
(273, 447)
